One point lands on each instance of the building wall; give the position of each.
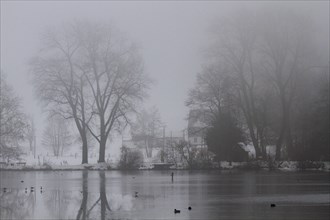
(196, 141)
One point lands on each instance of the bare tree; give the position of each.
(12, 121)
(90, 73)
(59, 84)
(268, 47)
(56, 135)
(31, 135)
(188, 153)
(147, 128)
(213, 92)
(113, 69)
(235, 44)
(285, 45)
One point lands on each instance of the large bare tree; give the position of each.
(285, 45)
(90, 72)
(59, 83)
(113, 68)
(266, 53)
(235, 44)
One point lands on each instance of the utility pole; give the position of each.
(163, 151)
(34, 146)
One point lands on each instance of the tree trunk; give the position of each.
(280, 139)
(82, 132)
(31, 145)
(255, 144)
(284, 126)
(289, 142)
(262, 143)
(245, 106)
(288, 135)
(263, 148)
(84, 150)
(102, 150)
(146, 144)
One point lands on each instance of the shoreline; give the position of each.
(284, 166)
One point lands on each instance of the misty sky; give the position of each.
(171, 35)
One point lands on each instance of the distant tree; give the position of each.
(223, 139)
(192, 156)
(130, 159)
(213, 92)
(236, 43)
(146, 128)
(285, 47)
(188, 153)
(12, 122)
(57, 136)
(204, 158)
(170, 154)
(267, 53)
(310, 130)
(31, 135)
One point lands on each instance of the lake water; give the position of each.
(211, 195)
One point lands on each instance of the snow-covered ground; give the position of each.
(52, 162)
(72, 162)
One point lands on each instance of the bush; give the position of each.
(223, 138)
(204, 159)
(47, 166)
(130, 159)
(302, 165)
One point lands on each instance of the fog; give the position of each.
(172, 37)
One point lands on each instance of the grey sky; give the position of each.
(171, 35)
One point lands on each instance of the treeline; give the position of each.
(266, 82)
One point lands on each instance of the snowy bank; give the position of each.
(275, 165)
(250, 165)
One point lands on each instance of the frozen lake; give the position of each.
(211, 194)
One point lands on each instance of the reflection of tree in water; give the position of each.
(17, 205)
(102, 201)
(103, 195)
(83, 208)
(57, 202)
